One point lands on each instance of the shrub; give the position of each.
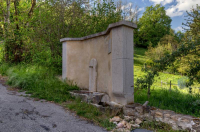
(40, 81)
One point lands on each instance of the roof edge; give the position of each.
(113, 25)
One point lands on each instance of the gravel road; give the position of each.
(23, 114)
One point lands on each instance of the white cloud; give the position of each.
(141, 9)
(129, 5)
(156, 1)
(173, 11)
(181, 7)
(178, 29)
(163, 2)
(167, 2)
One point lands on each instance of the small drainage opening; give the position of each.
(103, 104)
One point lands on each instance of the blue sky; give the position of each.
(176, 9)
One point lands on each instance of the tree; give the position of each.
(152, 26)
(32, 29)
(179, 36)
(190, 46)
(15, 16)
(171, 39)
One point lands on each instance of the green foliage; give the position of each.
(193, 22)
(182, 82)
(33, 30)
(158, 127)
(1, 33)
(93, 113)
(167, 45)
(171, 100)
(40, 81)
(145, 82)
(177, 99)
(140, 59)
(159, 51)
(1, 50)
(95, 20)
(4, 68)
(189, 46)
(152, 26)
(179, 36)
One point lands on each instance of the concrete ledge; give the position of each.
(121, 23)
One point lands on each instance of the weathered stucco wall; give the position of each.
(113, 52)
(79, 55)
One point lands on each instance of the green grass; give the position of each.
(1, 49)
(139, 60)
(42, 83)
(37, 80)
(92, 113)
(178, 100)
(158, 127)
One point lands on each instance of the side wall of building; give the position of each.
(102, 62)
(79, 55)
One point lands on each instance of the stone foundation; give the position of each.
(139, 112)
(177, 121)
(99, 100)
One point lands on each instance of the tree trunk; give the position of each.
(33, 2)
(149, 93)
(18, 41)
(8, 11)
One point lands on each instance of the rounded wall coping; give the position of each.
(113, 25)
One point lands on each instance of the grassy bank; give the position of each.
(178, 100)
(42, 83)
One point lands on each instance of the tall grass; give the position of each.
(1, 49)
(93, 113)
(4, 68)
(178, 100)
(40, 81)
(171, 100)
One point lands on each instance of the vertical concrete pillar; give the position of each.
(93, 75)
(64, 60)
(122, 64)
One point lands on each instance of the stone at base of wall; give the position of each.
(138, 111)
(99, 100)
(125, 99)
(177, 121)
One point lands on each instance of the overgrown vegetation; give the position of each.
(189, 47)
(178, 100)
(175, 100)
(92, 113)
(40, 81)
(158, 127)
(152, 26)
(32, 30)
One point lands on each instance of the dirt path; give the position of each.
(22, 114)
